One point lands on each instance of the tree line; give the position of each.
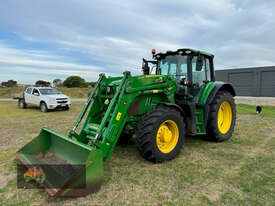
(70, 82)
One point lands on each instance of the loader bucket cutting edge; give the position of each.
(71, 168)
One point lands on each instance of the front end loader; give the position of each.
(175, 97)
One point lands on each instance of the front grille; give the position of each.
(61, 100)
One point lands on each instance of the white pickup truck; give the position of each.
(45, 97)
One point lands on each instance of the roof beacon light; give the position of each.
(153, 51)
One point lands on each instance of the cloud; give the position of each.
(43, 64)
(113, 36)
(29, 58)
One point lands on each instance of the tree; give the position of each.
(42, 83)
(9, 83)
(74, 81)
(92, 84)
(57, 82)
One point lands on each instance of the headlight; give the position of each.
(110, 90)
(52, 100)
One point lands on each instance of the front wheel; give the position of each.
(66, 108)
(43, 107)
(160, 134)
(222, 117)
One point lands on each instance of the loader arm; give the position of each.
(86, 106)
(107, 107)
(115, 103)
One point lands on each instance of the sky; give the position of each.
(49, 39)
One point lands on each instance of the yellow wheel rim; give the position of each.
(167, 136)
(224, 117)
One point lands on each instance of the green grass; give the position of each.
(236, 172)
(71, 92)
(267, 111)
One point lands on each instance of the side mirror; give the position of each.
(36, 94)
(199, 63)
(145, 67)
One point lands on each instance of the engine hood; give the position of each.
(57, 96)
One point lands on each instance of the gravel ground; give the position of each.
(264, 101)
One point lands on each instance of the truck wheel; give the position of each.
(66, 108)
(160, 134)
(22, 104)
(222, 117)
(43, 107)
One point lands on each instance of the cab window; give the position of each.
(35, 91)
(175, 65)
(29, 91)
(164, 67)
(173, 69)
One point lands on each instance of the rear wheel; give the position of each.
(222, 117)
(43, 107)
(160, 134)
(22, 104)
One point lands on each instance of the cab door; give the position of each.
(28, 95)
(35, 99)
(199, 77)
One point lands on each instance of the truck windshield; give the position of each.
(49, 91)
(174, 65)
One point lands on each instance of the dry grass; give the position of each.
(237, 172)
(71, 92)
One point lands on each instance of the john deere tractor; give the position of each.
(177, 95)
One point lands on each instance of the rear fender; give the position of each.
(172, 105)
(220, 87)
(188, 113)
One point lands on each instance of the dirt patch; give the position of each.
(247, 118)
(5, 178)
(255, 101)
(5, 137)
(213, 195)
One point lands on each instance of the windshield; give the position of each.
(49, 91)
(174, 65)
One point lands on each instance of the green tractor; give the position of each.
(177, 95)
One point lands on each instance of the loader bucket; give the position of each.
(71, 168)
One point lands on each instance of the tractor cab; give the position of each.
(191, 68)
